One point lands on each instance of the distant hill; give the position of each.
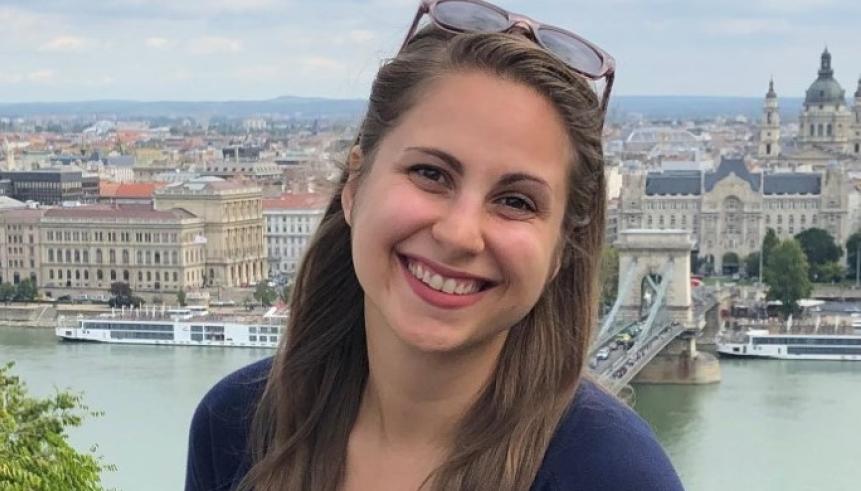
(651, 107)
(692, 107)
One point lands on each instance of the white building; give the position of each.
(291, 220)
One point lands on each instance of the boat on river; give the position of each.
(182, 326)
(760, 343)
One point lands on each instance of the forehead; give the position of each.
(487, 120)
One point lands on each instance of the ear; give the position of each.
(348, 194)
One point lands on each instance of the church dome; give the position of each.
(825, 90)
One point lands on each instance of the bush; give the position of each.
(34, 448)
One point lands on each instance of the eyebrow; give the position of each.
(456, 164)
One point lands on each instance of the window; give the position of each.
(113, 275)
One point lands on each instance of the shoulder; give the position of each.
(218, 437)
(602, 444)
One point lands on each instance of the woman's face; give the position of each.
(456, 223)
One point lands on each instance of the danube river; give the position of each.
(770, 425)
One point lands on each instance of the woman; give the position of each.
(442, 314)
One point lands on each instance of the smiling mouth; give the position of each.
(441, 283)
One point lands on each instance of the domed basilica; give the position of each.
(829, 130)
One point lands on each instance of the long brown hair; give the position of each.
(303, 421)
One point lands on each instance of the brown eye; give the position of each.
(518, 203)
(429, 173)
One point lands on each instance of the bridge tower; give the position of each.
(652, 255)
(654, 276)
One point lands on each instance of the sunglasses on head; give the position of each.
(580, 55)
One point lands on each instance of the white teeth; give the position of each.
(440, 283)
(436, 282)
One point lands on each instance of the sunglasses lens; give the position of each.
(469, 16)
(571, 50)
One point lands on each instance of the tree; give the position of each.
(820, 249)
(121, 289)
(34, 448)
(831, 272)
(751, 264)
(265, 294)
(180, 297)
(7, 292)
(852, 246)
(769, 242)
(786, 274)
(609, 275)
(26, 290)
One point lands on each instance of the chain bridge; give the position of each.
(650, 333)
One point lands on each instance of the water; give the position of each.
(770, 425)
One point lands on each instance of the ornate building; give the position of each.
(829, 130)
(90, 247)
(291, 220)
(233, 215)
(728, 210)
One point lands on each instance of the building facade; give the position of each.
(291, 220)
(49, 187)
(20, 254)
(727, 211)
(232, 212)
(829, 129)
(90, 247)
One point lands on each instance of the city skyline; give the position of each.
(70, 50)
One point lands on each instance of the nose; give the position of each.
(459, 230)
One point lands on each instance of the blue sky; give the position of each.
(61, 50)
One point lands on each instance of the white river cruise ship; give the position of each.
(183, 326)
(759, 343)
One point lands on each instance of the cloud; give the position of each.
(322, 63)
(748, 27)
(214, 45)
(41, 76)
(156, 42)
(66, 44)
(362, 36)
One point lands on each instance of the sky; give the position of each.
(73, 50)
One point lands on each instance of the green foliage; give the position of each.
(26, 290)
(265, 294)
(852, 247)
(34, 450)
(609, 275)
(751, 264)
(121, 289)
(830, 272)
(820, 249)
(786, 274)
(7, 292)
(181, 298)
(769, 242)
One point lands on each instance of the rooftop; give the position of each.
(113, 212)
(303, 201)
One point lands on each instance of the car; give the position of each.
(603, 354)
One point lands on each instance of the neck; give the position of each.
(416, 399)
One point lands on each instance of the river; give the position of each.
(769, 425)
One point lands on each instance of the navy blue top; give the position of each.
(600, 445)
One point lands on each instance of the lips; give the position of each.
(442, 287)
(431, 278)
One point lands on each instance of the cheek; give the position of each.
(528, 254)
(390, 211)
